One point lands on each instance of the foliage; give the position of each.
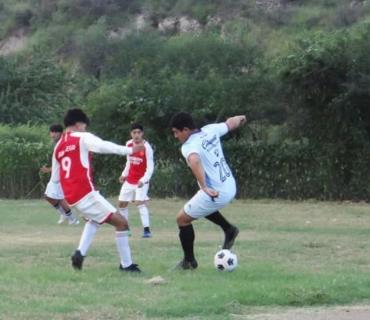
(326, 81)
(24, 149)
(158, 81)
(300, 70)
(91, 48)
(297, 170)
(32, 89)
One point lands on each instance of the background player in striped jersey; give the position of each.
(203, 153)
(135, 178)
(54, 193)
(72, 167)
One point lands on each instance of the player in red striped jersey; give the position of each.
(53, 193)
(72, 167)
(135, 178)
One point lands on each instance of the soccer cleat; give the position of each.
(62, 218)
(77, 260)
(187, 265)
(131, 268)
(147, 234)
(230, 236)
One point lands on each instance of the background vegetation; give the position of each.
(299, 70)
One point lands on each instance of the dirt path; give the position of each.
(331, 313)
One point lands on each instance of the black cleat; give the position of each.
(187, 265)
(230, 236)
(131, 268)
(77, 260)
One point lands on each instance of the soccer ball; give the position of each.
(225, 260)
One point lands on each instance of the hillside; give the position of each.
(47, 22)
(299, 69)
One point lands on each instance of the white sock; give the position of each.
(144, 215)
(123, 248)
(124, 212)
(87, 236)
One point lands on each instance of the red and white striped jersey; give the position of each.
(72, 162)
(139, 165)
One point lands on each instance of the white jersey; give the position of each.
(206, 143)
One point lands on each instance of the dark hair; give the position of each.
(182, 120)
(75, 115)
(136, 125)
(56, 128)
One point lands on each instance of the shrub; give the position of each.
(31, 89)
(24, 149)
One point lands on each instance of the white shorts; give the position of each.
(201, 204)
(54, 191)
(95, 207)
(131, 192)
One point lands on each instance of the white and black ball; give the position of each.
(225, 260)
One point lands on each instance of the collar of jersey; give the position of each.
(194, 132)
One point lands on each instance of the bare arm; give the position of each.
(235, 122)
(198, 171)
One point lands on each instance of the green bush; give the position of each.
(288, 170)
(312, 84)
(32, 89)
(24, 149)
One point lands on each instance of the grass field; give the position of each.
(290, 254)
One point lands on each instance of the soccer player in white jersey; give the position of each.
(202, 150)
(72, 167)
(53, 193)
(135, 178)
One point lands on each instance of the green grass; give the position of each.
(290, 254)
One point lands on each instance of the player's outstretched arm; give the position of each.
(95, 144)
(236, 122)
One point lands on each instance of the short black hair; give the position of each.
(182, 120)
(135, 126)
(75, 115)
(56, 128)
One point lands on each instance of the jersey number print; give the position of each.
(66, 166)
(223, 169)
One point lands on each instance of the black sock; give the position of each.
(218, 218)
(187, 237)
(68, 213)
(146, 229)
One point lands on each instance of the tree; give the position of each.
(32, 89)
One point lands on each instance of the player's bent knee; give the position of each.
(122, 224)
(122, 204)
(52, 201)
(118, 221)
(183, 219)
